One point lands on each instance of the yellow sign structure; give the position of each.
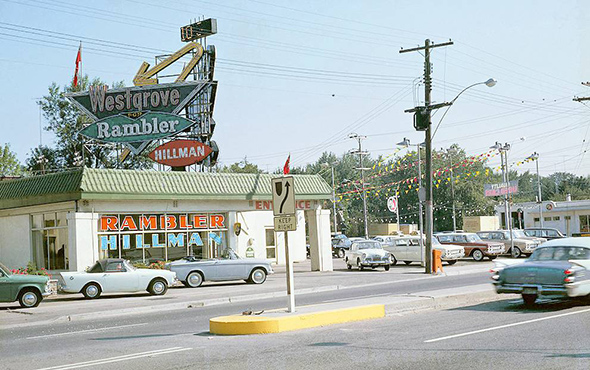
(144, 76)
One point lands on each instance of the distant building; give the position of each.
(569, 217)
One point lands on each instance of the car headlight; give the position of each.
(47, 288)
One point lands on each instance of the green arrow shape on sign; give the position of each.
(150, 126)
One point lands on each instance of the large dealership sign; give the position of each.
(149, 126)
(180, 153)
(101, 103)
(504, 188)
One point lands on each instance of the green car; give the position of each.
(29, 290)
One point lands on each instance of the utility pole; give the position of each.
(584, 98)
(360, 152)
(423, 117)
(535, 157)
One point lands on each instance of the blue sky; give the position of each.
(298, 77)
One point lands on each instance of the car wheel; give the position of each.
(29, 298)
(349, 266)
(358, 263)
(158, 287)
(393, 260)
(258, 276)
(194, 279)
(407, 262)
(451, 262)
(341, 253)
(386, 267)
(517, 252)
(477, 255)
(91, 290)
(529, 299)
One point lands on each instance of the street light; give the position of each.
(333, 195)
(489, 83)
(360, 153)
(535, 157)
(503, 149)
(406, 143)
(429, 134)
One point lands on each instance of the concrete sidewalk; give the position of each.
(75, 307)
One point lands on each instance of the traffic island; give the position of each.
(281, 321)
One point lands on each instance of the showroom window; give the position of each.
(50, 240)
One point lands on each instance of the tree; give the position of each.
(241, 167)
(65, 120)
(9, 164)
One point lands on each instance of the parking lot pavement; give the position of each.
(67, 307)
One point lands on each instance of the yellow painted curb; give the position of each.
(247, 324)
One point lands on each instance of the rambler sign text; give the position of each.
(148, 126)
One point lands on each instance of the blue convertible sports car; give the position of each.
(558, 268)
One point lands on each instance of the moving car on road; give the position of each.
(474, 246)
(28, 290)
(193, 272)
(115, 275)
(559, 268)
(407, 249)
(522, 243)
(367, 253)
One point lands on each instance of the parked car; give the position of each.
(559, 268)
(546, 233)
(523, 245)
(28, 290)
(340, 244)
(474, 246)
(367, 253)
(407, 249)
(387, 239)
(192, 272)
(115, 275)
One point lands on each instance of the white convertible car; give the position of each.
(115, 275)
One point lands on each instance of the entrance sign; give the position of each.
(180, 153)
(285, 223)
(198, 30)
(149, 126)
(99, 103)
(283, 196)
(504, 188)
(392, 204)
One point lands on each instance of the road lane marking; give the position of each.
(506, 326)
(117, 359)
(86, 331)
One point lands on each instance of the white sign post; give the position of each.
(283, 206)
(392, 206)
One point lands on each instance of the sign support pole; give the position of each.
(290, 279)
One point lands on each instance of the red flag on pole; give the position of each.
(286, 166)
(78, 60)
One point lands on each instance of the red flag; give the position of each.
(78, 60)
(286, 166)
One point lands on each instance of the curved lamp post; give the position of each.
(489, 83)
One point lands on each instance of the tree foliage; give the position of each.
(65, 120)
(9, 164)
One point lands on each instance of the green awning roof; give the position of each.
(110, 184)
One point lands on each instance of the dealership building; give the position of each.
(68, 220)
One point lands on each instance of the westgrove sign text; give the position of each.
(100, 103)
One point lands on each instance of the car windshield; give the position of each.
(472, 238)
(518, 234)
(560, 254)
(129, 266)
(369, 245)
(5, 269)
(434, 241)
(229, 254)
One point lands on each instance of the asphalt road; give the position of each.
(498, 335)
